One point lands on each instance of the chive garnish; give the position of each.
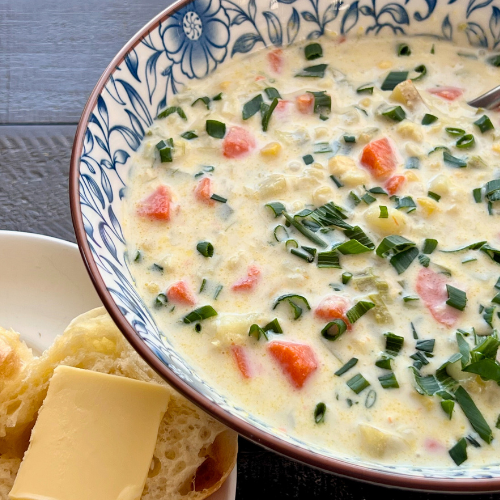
(406, 202)
(368, 198)
(218, 290)
(215, 129)
(292, 299)
(414, 331)
(200, 314)
(165, 148)
(492, 190)
(271, 93)
(478, 195)
(356, 233)
(322, 102)
(494, 60)
(273, 326)
(331, 215)
(205, 100)
(471, 440)
(329, 259)
(459, 452)
(488, 315)
(317, 71)
(393, 343)
(218, 198)
(403, 252)
(308, 159)
(371, 397)
(336, 181)
(205, 248)
(303, 254)
(172, 109)
(319, 413)
(412, 163)
(251, 107)
(421, 69)
(257, 332)
(466, 142)
(384, 362)
(496, 299)
(361, 308)
(424, 260)
(161, 300)
(349, 139)
(428, 119)
(346, 277)
(448, 405)
(404, 49)
(358, 383)
(217, 97)
(394, 78)
(322, 147)
(138, 256)
(484, 124)
(157, 267)
(455, 132)
(334, 329)
(365, 89)
(277, 207)
(453, 161)
(266, 112)
(396, 113)
(433, 195)
(352, 247)
(473, 414)
(456, 298)
(410, 298)
(352, 362)
(384, 214)
(388, 381)
(491, 252)
(306, 232)
(313, 51)
(425, 345)
(189, 135)
(203, 284)
(354, 198)
(471, 246)
(280, 233)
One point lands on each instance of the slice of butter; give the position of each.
(93, 440)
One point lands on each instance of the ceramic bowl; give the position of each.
(189, 40)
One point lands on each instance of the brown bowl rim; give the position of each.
(328, 464)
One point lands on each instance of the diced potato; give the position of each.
(274, 185)
(428, 206)
(377, 442)
(413, 149)
(412, 176)
(440, 184)
(347, 171)
(395, 224)
(410, 130)
(406, 94)
(320, 132)
(311, 178)
(271, 149)
(322, 195)
(233, 328)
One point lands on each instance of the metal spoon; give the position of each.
(490, 100)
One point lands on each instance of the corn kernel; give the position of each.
(271, 149)
(428, 206)
(496, 147)
(225, 85)
(365, 102)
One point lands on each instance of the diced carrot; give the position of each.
(433, 445)
(282, 106)
(241, 358)
(394, 184)
(203, 191)
(156, 205)
(431, 287)
(237, 142)
(305, 103)
(333, 307)
(275, 58)
(180, 293)
(250, 281)
(378, 157)
(259, 78)
(448, 93)
(297, 361)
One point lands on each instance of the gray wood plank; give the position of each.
(52, 53)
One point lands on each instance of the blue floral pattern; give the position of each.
(190, 44)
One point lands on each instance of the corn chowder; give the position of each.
(316, 231)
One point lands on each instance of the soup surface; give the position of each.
(316, 230)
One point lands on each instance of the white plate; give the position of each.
(43, 286)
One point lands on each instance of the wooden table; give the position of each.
(52, 52)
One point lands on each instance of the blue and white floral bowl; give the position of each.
(189, 40)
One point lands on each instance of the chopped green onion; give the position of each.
(472, 441)
(392, 245)
(292, 299)
(217, 97)
(484, 124)
(313, 51)
(389, 381)
(368, 198)
(273, 326)
(266, 112)
(329, 259)
(346, 277)
(317, 71)
(491, 252)
(138, 256)
(306, 232)
(404, 49)
(165, 149)
(352, 247)
(412, 163)
(336, 181)
(322, 147)
(171, 110)
(394, 78)
(496, 299)
(308, 159)
(319, 413)
(203, 283)
(157, 267)
(378, 190)
(354, 198)
(433, 195)
(396, 113)
(401, 261)
(205, 248)
(252, 107)
(218, 290)
(429, 119)
(410, 298)
(414, 331)
(371, 397)
(472, 246)
(358, 383)
(352, 362)
(322, 102)
(459, 452)
(365, 89)
(161, 300)
(218, 198)
(356, 233)
(478, 195)
(448, 405)
(455, 132)
(425, 345)
(384, 214)
(453, 161)
(488, 315)
(280, 233)
(494, 60)
(334, 329)
(200, 314)
(303, 254)
(277, 207)
(487, 369)
(393, 343)
(384, 362)
(421, 70)
(466, 142)
(456, 298)
(492, 190)
(205, 100)
(271, 93)
(406, 202)
(257, 332)
(349, 139)
(330, 215)
(189, 135)
(424, 260)
(215, 129)
(473, 414)
(361, 308)
(433, 50)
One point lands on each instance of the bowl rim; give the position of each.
(334, 465)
